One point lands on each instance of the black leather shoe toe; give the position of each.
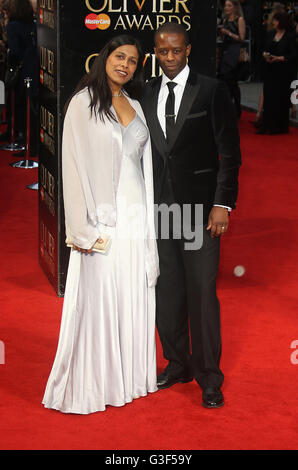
(212, 398)
(165, 380)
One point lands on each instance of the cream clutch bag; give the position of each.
(98, 247)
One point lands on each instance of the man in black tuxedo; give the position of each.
(196, 159)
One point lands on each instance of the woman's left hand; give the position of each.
(81, 250)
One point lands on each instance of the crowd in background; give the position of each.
(278, 54)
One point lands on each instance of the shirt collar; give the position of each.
(180, 79)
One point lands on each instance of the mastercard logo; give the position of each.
(101, 21)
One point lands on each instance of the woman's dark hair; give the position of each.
(97, 83)
(283, 19)
(20, 10)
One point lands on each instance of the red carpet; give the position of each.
(259, 323)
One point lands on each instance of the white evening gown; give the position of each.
(106, 352)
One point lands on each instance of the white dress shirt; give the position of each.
(181, 80)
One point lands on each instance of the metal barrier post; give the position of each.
(12, 146)
(27, 164)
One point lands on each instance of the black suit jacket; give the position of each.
(203, 159)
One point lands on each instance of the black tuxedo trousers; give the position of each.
(188, 310)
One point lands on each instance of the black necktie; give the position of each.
(170, 110)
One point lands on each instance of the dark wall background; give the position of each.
(203, 36)
(65, 45)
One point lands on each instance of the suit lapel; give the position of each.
(190, 93)
(156, 131)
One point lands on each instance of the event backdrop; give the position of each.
(70, 34)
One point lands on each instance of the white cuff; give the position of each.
(225, 207)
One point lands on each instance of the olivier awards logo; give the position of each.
(47, 248)
(128, 15)
(47, 68)
(47, 129)
(124, 16)
(47, 189)
(47, 13)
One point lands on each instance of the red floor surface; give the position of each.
(259, 324)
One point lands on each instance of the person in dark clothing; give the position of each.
(293, 19)
(280, 54)
(192, 121)
(22, 47)
(233, 33)
(267, 27)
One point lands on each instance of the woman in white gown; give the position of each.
(106, 350)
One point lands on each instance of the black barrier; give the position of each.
(70, 34)
(12, 146)
(27, 163)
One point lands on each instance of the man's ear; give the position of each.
(188, 50)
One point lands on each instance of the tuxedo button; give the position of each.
(170, 157)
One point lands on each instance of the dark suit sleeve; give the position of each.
(225, 128)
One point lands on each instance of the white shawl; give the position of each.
(91, 163)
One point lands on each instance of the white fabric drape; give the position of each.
(91, 164)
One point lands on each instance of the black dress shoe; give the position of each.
(165, 380)
(213, 398)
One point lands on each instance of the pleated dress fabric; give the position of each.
(106, 351)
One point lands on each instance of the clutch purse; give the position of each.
(97, 247)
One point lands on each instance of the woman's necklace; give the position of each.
(117, 96)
